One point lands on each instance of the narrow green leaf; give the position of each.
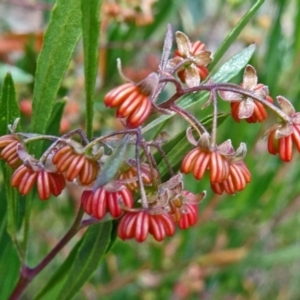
(296, 47)
(9, 108)
(60, 274)
(232, 67)
(53, 128)
(56, 116)
(112, 164)
(273, 61)
(90, 253)
(90, 32)
(227, 71)
(15, 209)
(234, 33)
(3, 215)
(60, 40)
(9, 111)
(9, 266)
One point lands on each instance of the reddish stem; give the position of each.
(225, 87)
(27, 274)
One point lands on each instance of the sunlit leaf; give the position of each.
(60, 40)
(112, 164)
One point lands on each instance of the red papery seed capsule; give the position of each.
(201, 165)
(272, 143)
(141, 226)
(129, 105)
(47, 183)
(197, 47)
(8, 148)
(101, 201)
(283, 146)
(198, 161)
(27, 182)
(133, 101)
(75, 165)
(283, 135)
(296, 136)
(117, 95)
(189, 217)
(43, 184)
(138, 224)
(239, 176)
(132, 173)
(57, 183)
(156, 228)
(139, 115)
(189, 160)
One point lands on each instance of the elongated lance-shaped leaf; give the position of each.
(9, 112)
(273, 61)
(234, 33)
(53, 127)
(56, 116)
(9, 108)
(60, 40)
(9, 264)
(56, 281)
(227, 71)
(296, 47)
(61, 273)
(91, 251)
(112, 164)
(90, 32)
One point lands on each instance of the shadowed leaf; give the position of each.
(112, 164)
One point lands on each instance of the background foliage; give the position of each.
(244, 246)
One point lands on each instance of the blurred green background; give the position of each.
(245, 246)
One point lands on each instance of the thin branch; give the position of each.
(28, 274)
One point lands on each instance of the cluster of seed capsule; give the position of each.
(167, 204)
(116, 197)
